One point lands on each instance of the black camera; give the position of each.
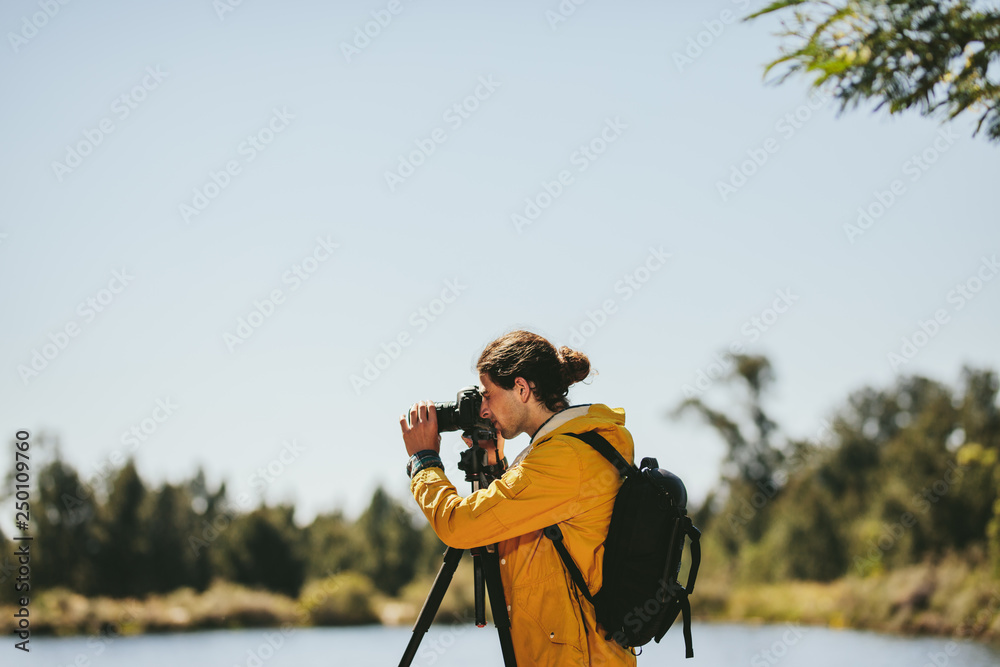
(463, 415)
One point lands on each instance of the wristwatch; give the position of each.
(426, 458)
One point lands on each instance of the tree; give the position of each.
(752, 469)
(934, 56)
(210, 511)
(171, 563)
(908, 472)
(391, 543)
(751, 459)
(123, 554)
(66, 536)
(264, 549)
(334, 545)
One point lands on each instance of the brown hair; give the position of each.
(528, 355)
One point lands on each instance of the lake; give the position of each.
(715, 645)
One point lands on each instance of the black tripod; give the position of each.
(486, 567)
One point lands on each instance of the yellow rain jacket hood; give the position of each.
(556, 479)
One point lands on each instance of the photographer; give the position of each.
(556, 479)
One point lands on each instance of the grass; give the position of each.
(947, 598)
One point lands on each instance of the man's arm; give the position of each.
(539, 492)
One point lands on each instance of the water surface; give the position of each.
(716, 645)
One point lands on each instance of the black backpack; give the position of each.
(640, 597)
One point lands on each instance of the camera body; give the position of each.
(463, 415)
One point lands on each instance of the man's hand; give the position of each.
(492, 449)
(421, 432)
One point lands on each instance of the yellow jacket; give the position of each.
(557, 479)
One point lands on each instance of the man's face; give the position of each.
(503, 408)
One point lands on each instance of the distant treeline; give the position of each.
(897, 476)
(122, 537)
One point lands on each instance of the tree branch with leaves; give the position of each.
(941, 58)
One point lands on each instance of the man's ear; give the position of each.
(523, 389)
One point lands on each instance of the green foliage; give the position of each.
(65, 531)
(931, 55)
(390, 542)
(342, 599)
(264, 549)
(123, 550)
(126, 539)
(334, 544)
(752, 459)
(891, 486)
(984, 463)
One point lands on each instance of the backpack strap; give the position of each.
(686, 613)
(695, 536)
(600, 443)
(554, 534)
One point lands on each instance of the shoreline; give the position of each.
(948, 600)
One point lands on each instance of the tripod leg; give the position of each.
(479, 589)
(451, 558)
(494, 584)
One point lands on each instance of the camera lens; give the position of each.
(447, 416)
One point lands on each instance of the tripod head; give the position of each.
(473, 460)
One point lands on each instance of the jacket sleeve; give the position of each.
(528, 497)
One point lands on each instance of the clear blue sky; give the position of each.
(182, 92)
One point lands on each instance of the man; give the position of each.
(556, 479)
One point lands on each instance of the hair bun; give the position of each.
(575, 365)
